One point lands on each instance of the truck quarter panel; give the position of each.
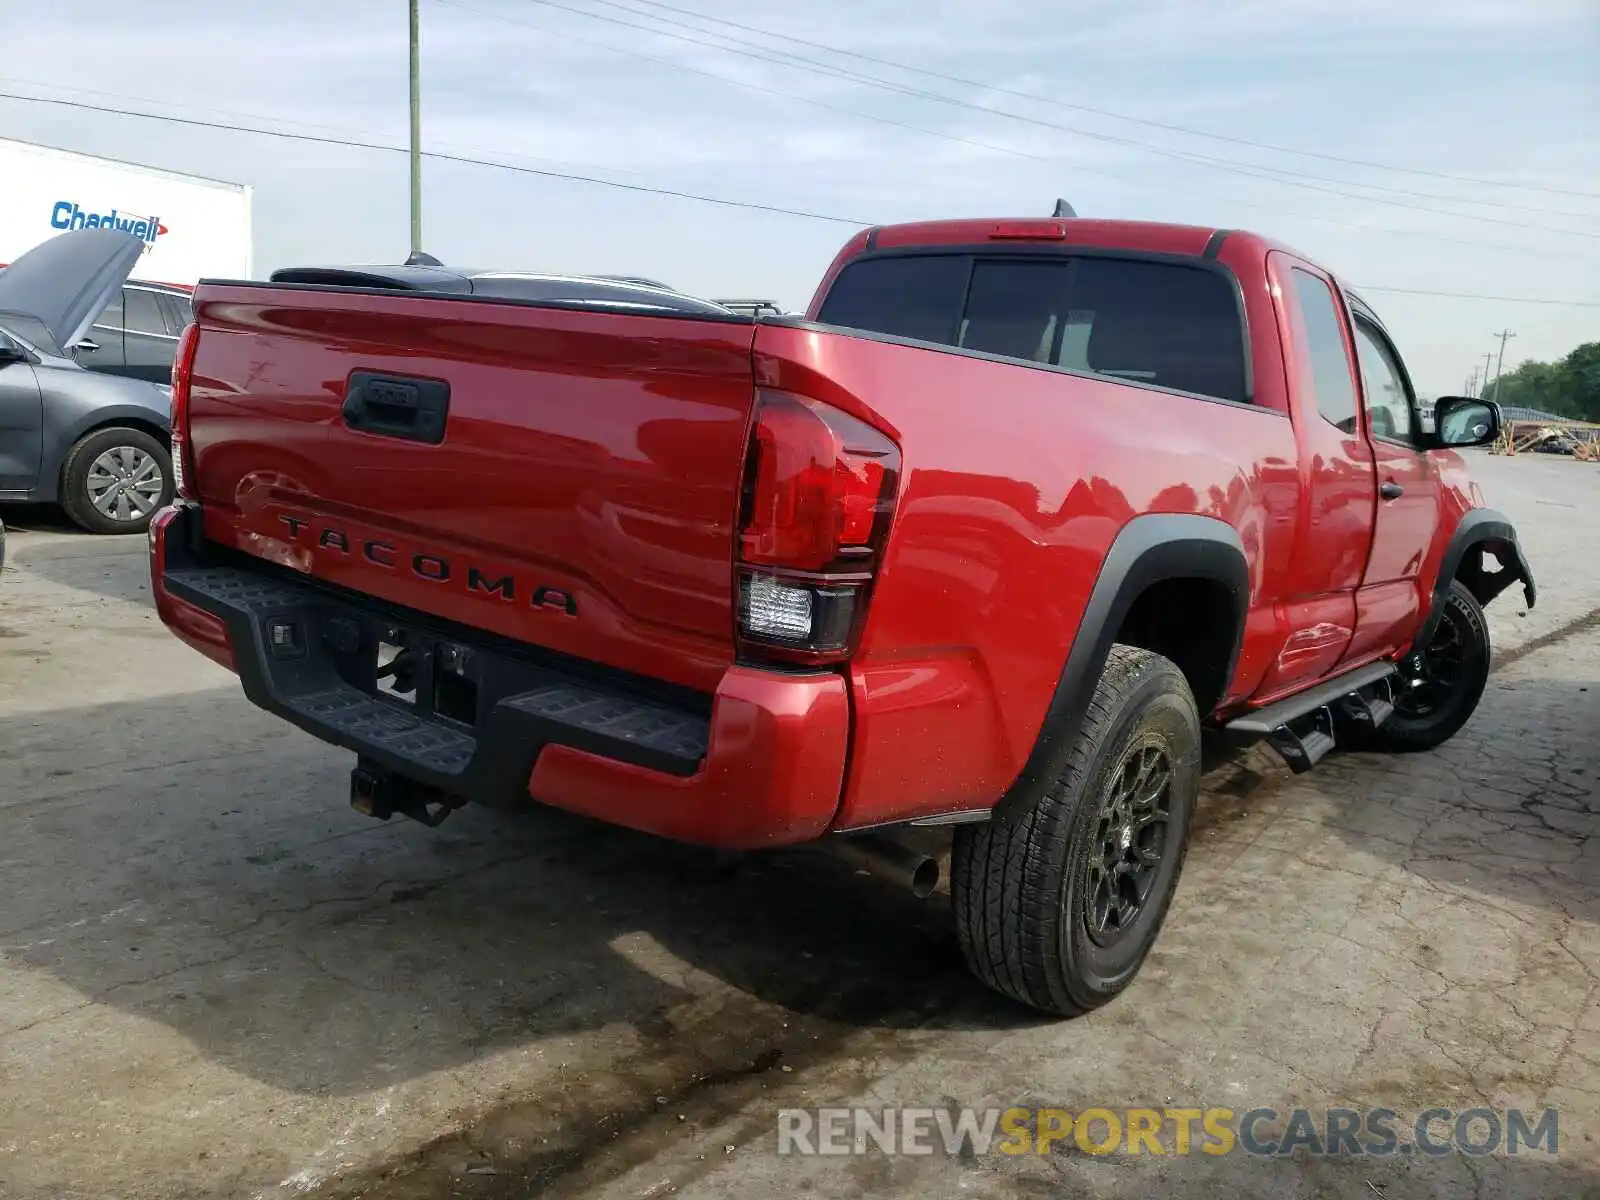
(1000, 531)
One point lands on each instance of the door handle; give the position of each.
(1390, 490)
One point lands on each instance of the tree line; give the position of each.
(1569, 387)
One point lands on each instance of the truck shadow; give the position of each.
(192, 863)
(1509, 808)
(59, 553)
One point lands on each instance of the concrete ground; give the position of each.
(217, 980)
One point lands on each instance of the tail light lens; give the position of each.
(818, 498)
(183, 477)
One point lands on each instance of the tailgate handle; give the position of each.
(413, 410)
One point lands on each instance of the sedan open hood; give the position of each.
(65, 283)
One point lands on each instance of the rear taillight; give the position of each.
(182, 378)
(818, 496)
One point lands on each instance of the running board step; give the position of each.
(1263, 722)
(1304, 748)
(1303, 728)
(1365, 711)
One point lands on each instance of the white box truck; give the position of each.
(191, 226)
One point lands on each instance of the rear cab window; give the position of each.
(911, 296)
(1170, 325)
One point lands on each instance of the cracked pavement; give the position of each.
(217, 980)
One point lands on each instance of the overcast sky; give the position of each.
(1498, 90)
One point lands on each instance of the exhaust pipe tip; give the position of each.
(890, 860)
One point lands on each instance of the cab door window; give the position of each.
(1390, 413)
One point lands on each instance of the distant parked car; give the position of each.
(1555, 441)
(137, 333)
(94, 442)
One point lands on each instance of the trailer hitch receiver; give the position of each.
(380, 793)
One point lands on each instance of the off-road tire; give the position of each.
(1462, 620)
(75, 496)
(1021, 884)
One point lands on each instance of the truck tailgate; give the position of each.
(581, 495)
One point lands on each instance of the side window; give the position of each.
(915, 296)
(1163, 323)
(1174, 326)
(1330, 361)
(143, 312)
(178, 311)
(111, 317)
(1388, 404)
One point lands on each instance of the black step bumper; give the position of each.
(309, 654)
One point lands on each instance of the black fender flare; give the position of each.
(1487, 530)
(1149, 549)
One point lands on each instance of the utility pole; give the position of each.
(416, 136)
(1470, 387)
(1488, 358)
(1500, 363)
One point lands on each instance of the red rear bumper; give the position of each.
(774, 745)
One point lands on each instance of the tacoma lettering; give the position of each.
(435, 568)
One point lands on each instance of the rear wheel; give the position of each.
(1440, 685)
(1057, 904)
(115, 480)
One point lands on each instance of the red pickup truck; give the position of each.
(989, 538)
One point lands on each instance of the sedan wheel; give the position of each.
(115, 480)
(125, 484)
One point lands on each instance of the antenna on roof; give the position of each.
(1063, 209)
(421, 258)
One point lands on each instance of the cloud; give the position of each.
(1469, 87)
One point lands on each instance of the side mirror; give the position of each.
(10, 352)
(1464, 421)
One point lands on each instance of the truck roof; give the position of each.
(1153, 236)
(1146, 237)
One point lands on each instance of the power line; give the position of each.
(1274, 175)
(1102, 112)
(746, 85)
(336, 131)
(766, 91)
(1187, 156)
(438, 155)
(1478, 296)
(467, 160)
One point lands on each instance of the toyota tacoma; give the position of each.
(989, 538)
